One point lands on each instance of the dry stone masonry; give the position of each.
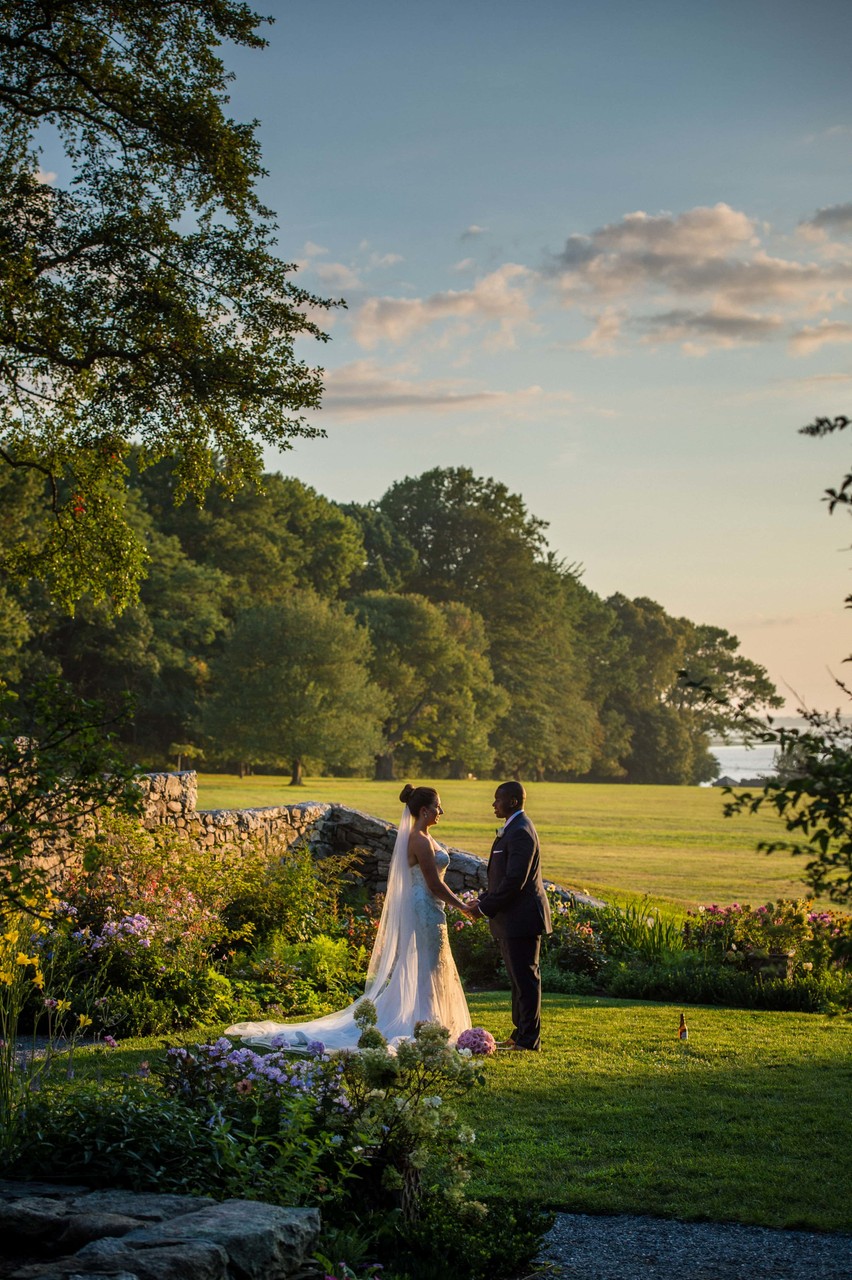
(56, 1232)
(326, 829)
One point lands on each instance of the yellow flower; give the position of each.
(83, 1020)
(62, 1006)
(11, 937)
(38, 979)
(6, 977)
(20, 958)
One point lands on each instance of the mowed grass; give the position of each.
(748, 1121)
(670, 843)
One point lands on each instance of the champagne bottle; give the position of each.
(683, 1030)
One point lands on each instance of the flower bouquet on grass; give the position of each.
(477, 1041)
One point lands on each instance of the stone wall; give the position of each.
(326, 829)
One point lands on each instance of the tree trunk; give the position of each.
(384, 768)
(296, 780)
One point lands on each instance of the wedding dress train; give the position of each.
(411, 978)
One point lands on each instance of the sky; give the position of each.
(601, 252)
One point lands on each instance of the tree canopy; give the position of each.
(141, 297)
(292, 684)
(502, 661)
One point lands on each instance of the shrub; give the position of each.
(472, 1241)
(288, 893)
(119, 1134)
(815, 941)
(636, 929)
(476, 954)
(574, 946)
(692, 979)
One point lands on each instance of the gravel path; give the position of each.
(582, 1247)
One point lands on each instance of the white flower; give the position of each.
(465, 1053)
(433, 1102)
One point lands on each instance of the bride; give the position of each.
(412, 976)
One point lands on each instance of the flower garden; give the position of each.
(141, 939)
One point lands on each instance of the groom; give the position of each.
(518, 911)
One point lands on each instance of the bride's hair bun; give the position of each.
(418, 798)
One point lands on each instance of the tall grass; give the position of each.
(639, 927)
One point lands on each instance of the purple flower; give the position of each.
(113, 1044)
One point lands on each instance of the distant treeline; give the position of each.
(433, 632)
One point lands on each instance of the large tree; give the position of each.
(477, 543)
(268, 541)
(675, 684)
(292, 684)
(431, 662)
(141, 298)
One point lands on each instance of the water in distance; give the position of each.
(738, 761)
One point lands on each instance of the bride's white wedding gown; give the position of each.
(412, 976)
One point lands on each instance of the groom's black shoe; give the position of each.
(506, 1044)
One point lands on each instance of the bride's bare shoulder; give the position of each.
(419, 847)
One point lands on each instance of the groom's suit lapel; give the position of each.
(494, 849)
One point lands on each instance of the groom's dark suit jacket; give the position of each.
(515, 901)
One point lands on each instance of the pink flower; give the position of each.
(113, 1044)
(243, 1086)
(478, 1041)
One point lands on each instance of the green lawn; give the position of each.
(749, 1121)
(671, 843)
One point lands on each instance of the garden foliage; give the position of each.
(781, 955)
(372, 1137)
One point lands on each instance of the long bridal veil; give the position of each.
(400, 978)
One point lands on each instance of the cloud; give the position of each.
(365, 388)
(336, 275)
(384, 260)
(311, 250)
(835, 218)
(44, 177)
(472, 232)
(703, 274)
(641, 245)
(811, 338)
(466, 264)
(833, 131)
(717, 327)
(500, 296)
(704, 251)
(603, 338)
